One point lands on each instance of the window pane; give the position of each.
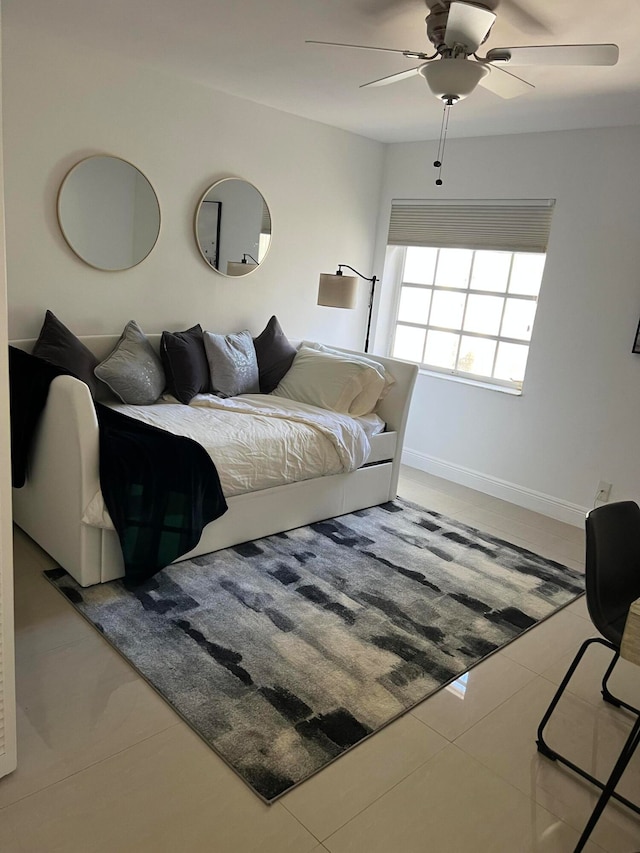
(454, 266)
(476, 356)
(483, 314)
(409, 343)
(490, 271)
(419, 265)
(526, 273)
(414, 305)
(511, 362)
(447, 309)
(442, 348)
(518, 319)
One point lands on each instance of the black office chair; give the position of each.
(612, 580)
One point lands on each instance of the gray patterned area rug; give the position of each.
(285, 652)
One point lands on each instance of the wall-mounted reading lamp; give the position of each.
(340, 291)
(243, 266)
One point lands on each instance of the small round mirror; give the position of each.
(233, 227)
(108, 213)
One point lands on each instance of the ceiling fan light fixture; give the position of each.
(452, 79)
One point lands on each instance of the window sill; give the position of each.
(465, 380)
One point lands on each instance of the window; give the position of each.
(468, 309)
(468, 312)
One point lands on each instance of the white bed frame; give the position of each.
(63, 477)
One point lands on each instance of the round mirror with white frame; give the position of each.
(108, 213)
(233, 227)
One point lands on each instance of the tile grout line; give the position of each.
(384, 793)
(24, 657)
(88, 767)
(531, 796)
(417, 769)
(490, 711)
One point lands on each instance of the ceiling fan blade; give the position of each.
(393, 78)
(504, 84)
(412, 54)
(467, 25)
(556, 54)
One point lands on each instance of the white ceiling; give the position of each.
(256, 49)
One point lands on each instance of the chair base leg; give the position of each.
(611, 699)
(608, 788)
(543, 749)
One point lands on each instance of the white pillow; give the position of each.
(389, 379)
(331, 381)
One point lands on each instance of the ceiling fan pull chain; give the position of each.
(442, 142)
(437, 162)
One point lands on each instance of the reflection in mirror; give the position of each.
(108, 213)
(233, 227)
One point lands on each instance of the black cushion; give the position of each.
(58, 345)
(275, 355)
(185, 363)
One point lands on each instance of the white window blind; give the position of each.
(500, 225)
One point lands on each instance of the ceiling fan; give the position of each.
(456, 30)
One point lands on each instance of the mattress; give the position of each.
(258, 441)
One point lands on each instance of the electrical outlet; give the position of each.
(604, 491)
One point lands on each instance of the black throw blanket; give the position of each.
(160, 489)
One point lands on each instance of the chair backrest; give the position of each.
(612, 565)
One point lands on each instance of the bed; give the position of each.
(60, 508)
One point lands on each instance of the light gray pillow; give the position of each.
(232, 363)
(132, 370)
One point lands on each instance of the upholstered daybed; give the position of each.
(63, 480)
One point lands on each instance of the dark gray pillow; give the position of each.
(132, 370)
(274, 354)
(233, 366)
(185, 363)
(59, 346)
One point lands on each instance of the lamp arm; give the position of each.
(247, 255)
(373, 278)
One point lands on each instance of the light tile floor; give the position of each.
(105, 765)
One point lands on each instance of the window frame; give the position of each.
(509, 386)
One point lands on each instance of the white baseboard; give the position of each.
(535, 501)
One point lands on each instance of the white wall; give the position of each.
(578, 420)
(63, 103)
(8, 743)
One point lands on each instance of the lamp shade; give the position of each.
(338, 291)
(239, 267)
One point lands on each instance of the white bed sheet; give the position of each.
(257, 441)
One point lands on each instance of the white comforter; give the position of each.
(257, 441)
